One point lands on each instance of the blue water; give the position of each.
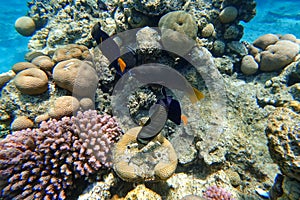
(13, 46)
(273, 16)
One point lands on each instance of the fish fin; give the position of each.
(196, 96)
(174, 112)
(184, 119)
(122, 64)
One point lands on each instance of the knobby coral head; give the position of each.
(45, 163)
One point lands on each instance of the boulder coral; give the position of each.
(265, 40)
(71, 51)
(278, 55)
(77, 77)
(179, 30)
(46, 163)
(249, 66)
(21, 122)
(43, 62)
(156, 161)
(6, 77)
(228, 14)
(64, 106)
(31, 81)
(19, 66)
(283, 140)
(25, 26)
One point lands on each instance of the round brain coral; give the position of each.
(31, 81)
(48, 162)
(178, 30)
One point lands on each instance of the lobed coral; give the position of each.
(45, 163)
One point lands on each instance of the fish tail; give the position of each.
(196, 96)
(184, 119)
(122, 64)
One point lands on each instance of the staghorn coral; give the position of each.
(45, 163)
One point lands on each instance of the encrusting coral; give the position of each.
(45, 163)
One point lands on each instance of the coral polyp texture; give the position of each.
(46, 163)
(217, 193)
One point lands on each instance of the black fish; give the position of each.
(102, 5)
(111, 50)
(158, 74)
(164, 109)
(154, 124)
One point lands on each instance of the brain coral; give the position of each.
(283, 132)
(31, 81)
(46, 163)
(64, 106)
(278, 55)
(179, 30)
(25, 26)
(77, 77)
(157, 160)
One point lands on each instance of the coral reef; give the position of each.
(45, 163)
(222, 145)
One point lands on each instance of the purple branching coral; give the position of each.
(44, 163)
(217, 193)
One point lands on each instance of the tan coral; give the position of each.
(228, 14)
(71, 51)
(20, 66)
(44, 117)
(43, 62)
(5, 77)
(64, 106)
(265, 40)
(77, 77)
(278, 55)
(142, 193)
(156, 161)
(21, 122)
(86, 104)
(25, 26)
(31, 81)
(208, 30)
